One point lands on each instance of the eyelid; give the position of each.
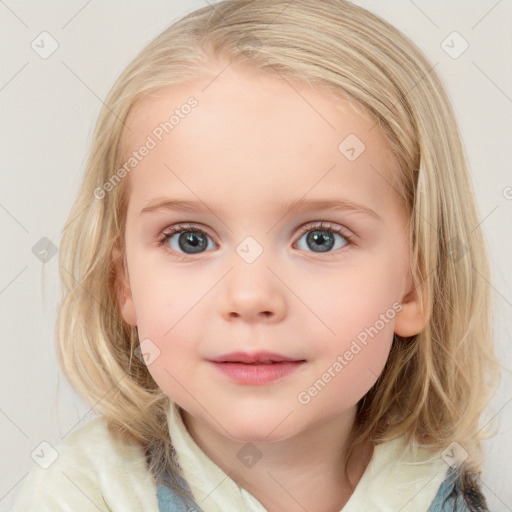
(183, 227)
(328, 226)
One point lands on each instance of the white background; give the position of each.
(48, 109)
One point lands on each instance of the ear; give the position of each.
(412, 319)
(123, 290)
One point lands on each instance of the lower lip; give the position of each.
(257, 373)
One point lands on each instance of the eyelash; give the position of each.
(319, 226)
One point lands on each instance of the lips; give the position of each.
(255, 369)
(253, 358)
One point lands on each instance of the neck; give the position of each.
(294, 474)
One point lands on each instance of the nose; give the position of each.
(253, 293)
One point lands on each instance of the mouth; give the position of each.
(255, 369)
(266, 358)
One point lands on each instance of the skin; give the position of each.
(253, 142)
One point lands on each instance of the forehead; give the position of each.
(247, 138)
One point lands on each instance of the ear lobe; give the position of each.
(412, 319)
(122, 289)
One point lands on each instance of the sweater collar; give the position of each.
(398, 476)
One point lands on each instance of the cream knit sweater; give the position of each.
(93, 472)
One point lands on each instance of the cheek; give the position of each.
(356, 297)
(348, 376)
(162, 296)
(358, 307)
(167, 304)
(350, 359)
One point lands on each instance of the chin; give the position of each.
(258, 437)
(258, 428)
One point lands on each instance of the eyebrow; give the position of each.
(303, 205)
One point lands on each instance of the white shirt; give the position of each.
(93, 470)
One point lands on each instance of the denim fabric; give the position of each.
(169, 501)
(450, 488)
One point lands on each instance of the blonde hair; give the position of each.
(435, 385)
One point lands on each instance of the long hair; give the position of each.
(435, 385)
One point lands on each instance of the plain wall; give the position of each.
(48, 109)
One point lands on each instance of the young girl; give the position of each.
(276, 283)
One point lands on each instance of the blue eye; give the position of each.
(322, 237)
(190, 238)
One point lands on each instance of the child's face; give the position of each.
(252, 280)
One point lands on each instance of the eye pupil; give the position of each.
(196, 240)
(319, 238)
